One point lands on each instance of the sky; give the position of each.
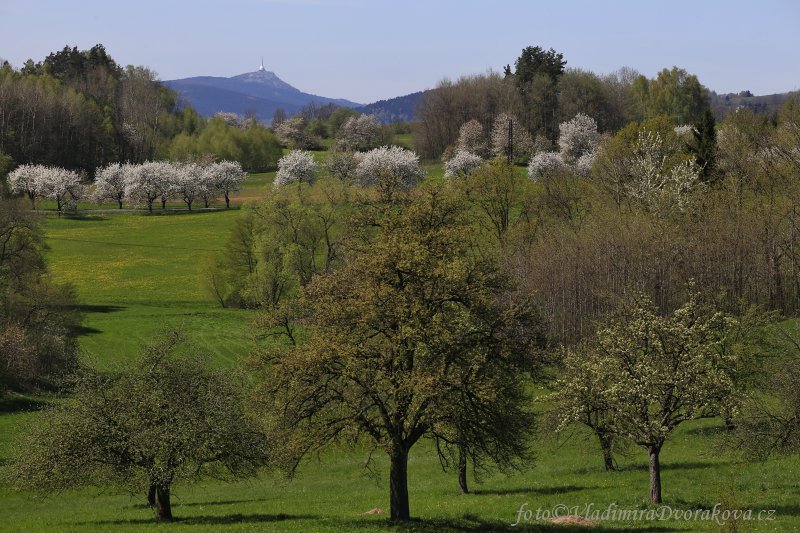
(366, 50)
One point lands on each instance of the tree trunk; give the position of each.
(606, 444)
(163, 507)
(227, 201)
(151, 496)
(120, 203)
(398, 485)
(462, 470)
(655, 473)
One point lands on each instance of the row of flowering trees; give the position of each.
(143, 183)
(164, 180)
(391, 166)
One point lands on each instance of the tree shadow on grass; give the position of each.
(15, 404)
(474, 524)
(81, 331)
(542, 491)
(87, 308)
(784, 510)
(177, 505)
(688, 465)
(84, 216)
(256, 518)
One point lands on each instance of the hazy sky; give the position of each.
(366, 50)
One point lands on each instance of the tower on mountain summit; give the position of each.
(261, 68)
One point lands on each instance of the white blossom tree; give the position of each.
(62, 185)
(545, 164)
(359, 133)
(225, 178)
(170, 177)
(578, 140)
(389, 164)
(25, 180)
(522, 143)
(471, 138)
(461, 164)
(577, 137)
(188, 182)
(109, 184)
(292, 132)
(145, 183)
(296, 166)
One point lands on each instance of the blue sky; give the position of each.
(366, 50)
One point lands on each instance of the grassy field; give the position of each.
(135, 273)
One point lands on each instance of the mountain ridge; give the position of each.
(260, 91)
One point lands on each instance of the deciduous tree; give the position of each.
(171, 419)
(413, 336)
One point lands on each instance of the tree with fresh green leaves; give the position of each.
(413, 336)
(496, 191)
(649, 373)
(171, 419)
(580, 398)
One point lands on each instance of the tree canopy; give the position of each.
(415, 335)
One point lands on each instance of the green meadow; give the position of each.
(135, 273)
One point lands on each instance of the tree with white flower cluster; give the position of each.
(23, 180)
(545, 164)
(109, 183)
(225, 178)
(657, 183)
(146, 182)
(64, 186)
(298, 166)
(521, 142)
(461, 164)
(359, 133)
(471, 138)
(39, 181)
(389, 167)
(163, 180)
(578, 139)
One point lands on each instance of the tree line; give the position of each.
(540, 92)
(80, 110)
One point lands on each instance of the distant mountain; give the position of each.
(400, 108)
(260, 91)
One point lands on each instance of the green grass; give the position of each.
(135, 273)
(332, 491)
